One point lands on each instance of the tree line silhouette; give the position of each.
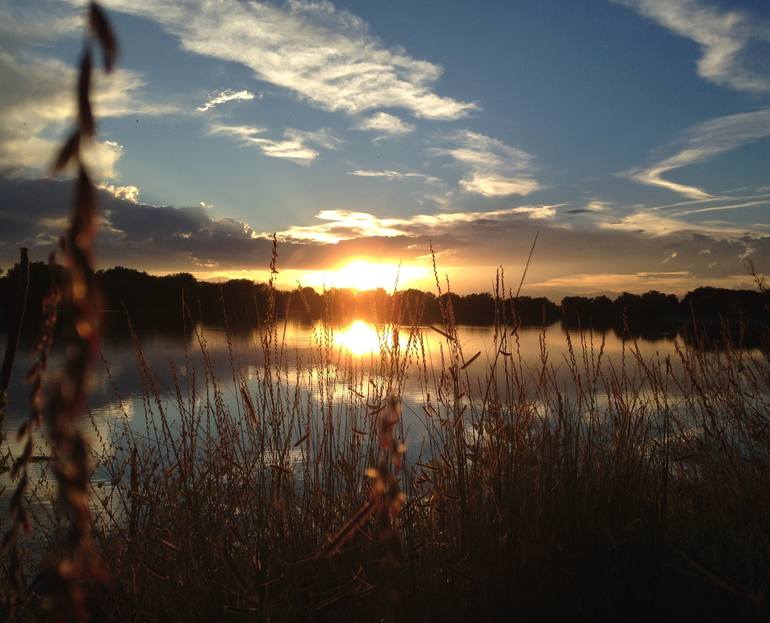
(174, 303)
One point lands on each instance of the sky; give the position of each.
(632, 137)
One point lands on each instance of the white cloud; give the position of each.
(494, 169)
(598, 206)
(322, 138)
(227, 95)
(728, 39)
(725, 206)
(339, 225)
(295, 145)
(325, 55)
(442, 198)
(129, 193)
(492, 185)
(35, 113)
(701, 142)
(102, 157)
(385, 123)
(393, 175)
(536, 212)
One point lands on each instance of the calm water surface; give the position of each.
(338, 358)
(328, 371)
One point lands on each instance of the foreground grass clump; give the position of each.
(614, 492)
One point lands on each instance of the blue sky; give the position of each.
(634, 136)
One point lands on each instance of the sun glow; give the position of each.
(362, 338)
(362, 274)
(359, 337)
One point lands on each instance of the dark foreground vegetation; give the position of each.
(154, 303)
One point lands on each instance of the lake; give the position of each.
(302, 382)
(328, 364)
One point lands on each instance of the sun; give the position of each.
(362, 274)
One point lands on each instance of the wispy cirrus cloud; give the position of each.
(323, 138)
(38, 23)
(649, 223)
(702, 142)
(493, 169)
(385, 124)
(734, 43)
(297, 146)
(327, 56)
(394, 175)
(226, 95)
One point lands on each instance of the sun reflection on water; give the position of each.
(361, 338)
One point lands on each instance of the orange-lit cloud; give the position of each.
(340, 225)
(367, 274)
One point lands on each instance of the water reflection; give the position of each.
(315, 362)
(358, 338)
(306, 380)
(361, 338)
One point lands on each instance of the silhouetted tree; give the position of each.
(156, 303)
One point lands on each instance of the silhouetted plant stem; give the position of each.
(68, 400)
(14, 333)
(19, 520)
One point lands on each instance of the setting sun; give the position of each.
(361, 274)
